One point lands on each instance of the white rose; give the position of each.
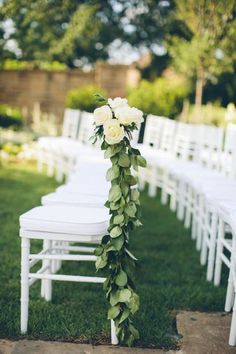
(117, 102)
(113, 131)
(128, 115)
(102, 114)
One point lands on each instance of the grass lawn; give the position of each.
(169, 276)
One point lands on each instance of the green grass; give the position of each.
(169, 276)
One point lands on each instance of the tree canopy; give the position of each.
(76, 32)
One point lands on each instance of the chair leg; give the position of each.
(114, 339)
(25, 247)
(219, 251)
(48, 282)
(229, 293)
(232, 335)
(203, 257)
(181, 204)
(212, 247)
(202, 222)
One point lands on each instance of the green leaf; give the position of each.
(121, 278)
(134, 194)
(108, 153)
(131, 180)
(98, 251)
(118, 242)
(124, 315)
(113, 312)
(116, 232)
(125, 295)
(107, 204)
(141, 161)
(134, 303)
(118, 219)
(114, 194)
(114, 297)
(114, 206)
(101, 262)
(134, 331)
(135, 151)
(112, 173)
(131, 209)
(124, 160)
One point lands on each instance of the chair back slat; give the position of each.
(86, 128)
(71, 123)
(228, 158)
(167, 136)
(211, 146)
(153, 131)
(186, 142)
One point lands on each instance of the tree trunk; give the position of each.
(199, 86)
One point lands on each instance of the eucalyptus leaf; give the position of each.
(101, 262)
(114, 194)
(113, 312)
(124, 160)
(134, 303)
(134, 194)
(131, 209)
(131, 180)
(118, 219)
(116, 232)
(114, 297)
(125, 295)
(98, 251)
(141, 161)
(118, 242)
(112, 173)
(124, 315)
(121, 278)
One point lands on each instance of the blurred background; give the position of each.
(169, 58)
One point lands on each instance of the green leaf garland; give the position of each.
(113, 254)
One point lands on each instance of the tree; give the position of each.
(79, 31)
(63, 30)
(205, 48)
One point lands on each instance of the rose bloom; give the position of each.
(113, 131)
(102, 114)
(128, 115)
(117, 102)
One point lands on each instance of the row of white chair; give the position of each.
(195, 166)
(59, 154)
(68, 220)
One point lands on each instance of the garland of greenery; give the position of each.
(113, 254)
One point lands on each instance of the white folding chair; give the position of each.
(58, 224)
(49, 148)
(153, 175)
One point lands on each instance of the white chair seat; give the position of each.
(96, 189)
(66, 220)
(74, 199)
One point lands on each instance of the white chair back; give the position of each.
(71, 123)
(86, 128)
(228, 158)
(153, 131)
(135, 136)
(168, 133)
(211, 146)
(186, 142)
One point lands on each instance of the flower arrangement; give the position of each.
(114, 123)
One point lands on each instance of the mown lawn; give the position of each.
(169, 277)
